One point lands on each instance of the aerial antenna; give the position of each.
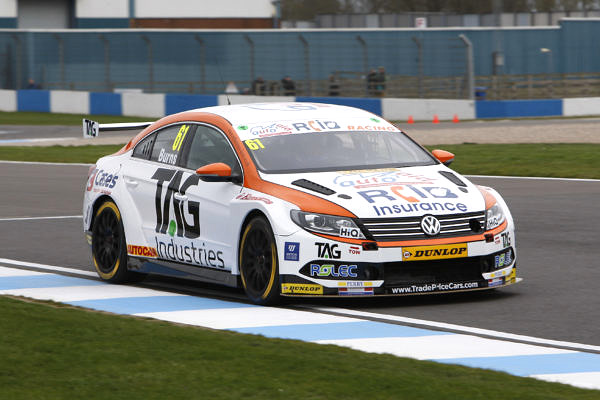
(222, 81)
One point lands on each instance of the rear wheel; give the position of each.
(258, 262)
(109, 248)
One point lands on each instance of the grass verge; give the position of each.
(52, 351)
(547, 160)
(561, 160)
(38, 118)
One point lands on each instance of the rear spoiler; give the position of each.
(92, 128)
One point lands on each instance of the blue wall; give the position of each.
(177, 55)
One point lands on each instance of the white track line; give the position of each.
(36, 218)
(47, 267)
(460, 328)
(44, 163)
(533, 178)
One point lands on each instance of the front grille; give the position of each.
(409, 228)
(444, 271)
(437, 271)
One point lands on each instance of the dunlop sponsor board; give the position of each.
(440, 252)
(301, 288)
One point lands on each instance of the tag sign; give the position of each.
(420, 22)
(90, 128)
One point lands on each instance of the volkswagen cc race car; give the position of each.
(293, 199)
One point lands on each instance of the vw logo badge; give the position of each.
(430, 225)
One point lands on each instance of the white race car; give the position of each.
(293, 199)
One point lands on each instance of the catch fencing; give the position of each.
(451, 63)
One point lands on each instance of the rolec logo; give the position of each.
(179, 226)
(341, 271)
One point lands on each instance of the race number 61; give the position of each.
(180, 136)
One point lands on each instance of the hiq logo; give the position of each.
(292, 251)
(342, 271)
(353, 233)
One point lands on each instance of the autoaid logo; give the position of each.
(334, 271)
(440, 252)
(270, 130)
(172, 184)
(301, 288)
(377, 178)
(430, 225)
(412, 199)
(326, 250)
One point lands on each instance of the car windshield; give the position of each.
(335, 151)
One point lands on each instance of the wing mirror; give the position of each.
(217, 172)
(445, 157)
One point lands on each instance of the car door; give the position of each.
(152, 179)
(216, 240)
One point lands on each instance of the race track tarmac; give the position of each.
(557, 234)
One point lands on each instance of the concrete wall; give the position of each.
(8, 100)
(156, 105)
(204, 9)
(581, 106)
(425, 109)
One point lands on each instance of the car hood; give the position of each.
(390, 192)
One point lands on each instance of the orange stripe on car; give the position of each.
(252, 180)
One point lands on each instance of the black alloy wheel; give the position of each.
(109, 248)
(258, 263)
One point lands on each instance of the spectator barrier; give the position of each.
(157, 105)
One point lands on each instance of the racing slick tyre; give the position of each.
(258, 263)
(109, 248)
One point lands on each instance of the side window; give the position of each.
(210, 146)
(169, 143)
(144, 147)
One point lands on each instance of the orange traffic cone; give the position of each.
(410, 119)
(436, 120)
(455, 119)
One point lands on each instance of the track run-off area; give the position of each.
(545, 327)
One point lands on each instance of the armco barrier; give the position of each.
(156, 105)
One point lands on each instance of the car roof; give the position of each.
(252, 113)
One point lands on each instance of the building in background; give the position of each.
(199, 14)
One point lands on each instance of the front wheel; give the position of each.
(258, 263)
(109, 248)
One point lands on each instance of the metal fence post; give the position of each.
(251, 44)
(419, 44)
(18, 61)
(61, 59)
(470, 69)
(202, 63)
(150, 62)
(365, 52)
(106, 45)
(306, 64)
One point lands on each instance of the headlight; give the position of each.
(327, 224)
(494, 216)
